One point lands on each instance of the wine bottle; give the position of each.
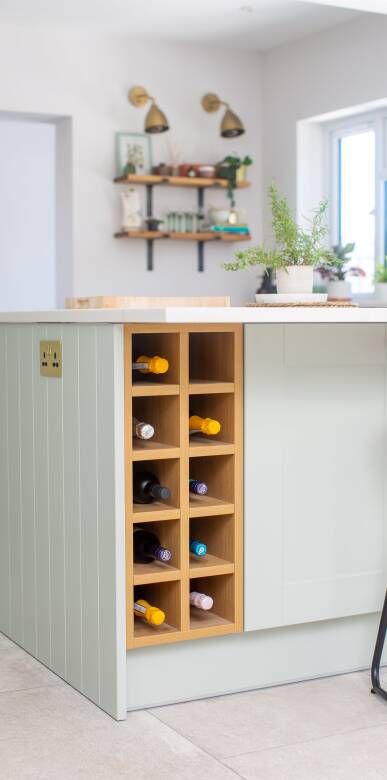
(152, 615)
(203, 425)
(198, 548)
(142, 430)
(147, 488)
(151, 365)
(147, 547)
(200, 600)
(198, 487)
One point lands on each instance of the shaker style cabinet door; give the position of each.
(315, 472)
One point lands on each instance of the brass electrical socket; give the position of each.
(51, 358)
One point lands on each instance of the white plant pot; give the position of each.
(339, 290)
(295, 279)
(381, 292)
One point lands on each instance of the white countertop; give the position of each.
(232, 314)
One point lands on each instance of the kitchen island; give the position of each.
(294, 519)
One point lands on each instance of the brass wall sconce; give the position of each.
(231, 126)
(155, 120)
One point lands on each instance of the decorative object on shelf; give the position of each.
(227, 169)
(297, 251)
(218, 216)
(183, 222)
(233, 230)
(131, 209)
(242, 170)
(199, 170)
(155, 120)
(267, 286)
(133, 154)
(153, 223)
(230, 126)
(162, 170)
(381, 282)
(339, 289)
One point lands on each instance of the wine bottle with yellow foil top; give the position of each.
(151, 365)
(152, 615)
(203, 425)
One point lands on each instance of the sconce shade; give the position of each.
(155, 120)
(231, 125)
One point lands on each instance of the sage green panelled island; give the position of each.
(294, 518)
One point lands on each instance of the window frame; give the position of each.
(334, 132)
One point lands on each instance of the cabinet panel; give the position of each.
(314, 437)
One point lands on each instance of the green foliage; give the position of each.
(381, 272)
(293, 244)
(337, 270)
(247, 161)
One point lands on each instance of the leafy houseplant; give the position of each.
(296, 252)
(338, 286)
(242, 170)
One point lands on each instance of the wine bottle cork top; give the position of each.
(158, 365)
(211, 426)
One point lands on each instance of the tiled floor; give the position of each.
(330, 729)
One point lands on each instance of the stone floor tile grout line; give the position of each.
(198, 747)
(31, 688)
(306, 741)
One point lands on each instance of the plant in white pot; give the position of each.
(339, 288)
(297, 251)
(381, 282)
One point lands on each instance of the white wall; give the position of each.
(341, 68)
(87, 78)
(27, 215)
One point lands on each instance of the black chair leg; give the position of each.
(375, 669)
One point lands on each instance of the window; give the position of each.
(358, 189)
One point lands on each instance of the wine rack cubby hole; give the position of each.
(165, 345)
(221, 589)
(219, 406)
(218, 533)
(163, 413)
(167, 596)
(211, 357)
(168, 532)
(168, 473)
(205, 378)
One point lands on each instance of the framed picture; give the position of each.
(133, 149)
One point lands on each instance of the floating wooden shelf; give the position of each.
(201, 185)
(177, 181)
(174, 236)
(174, 458)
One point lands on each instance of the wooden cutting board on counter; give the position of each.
(146, 302)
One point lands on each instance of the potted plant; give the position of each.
(381, 281)
(242, 170)
(339, 288)
(297, 251)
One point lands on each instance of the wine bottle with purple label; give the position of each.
(198, 487)
(147, 547)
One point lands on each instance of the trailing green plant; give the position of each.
(381, 272)
(293, 245)
(233, 163)
(339, 272)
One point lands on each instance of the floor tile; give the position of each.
(357, 755)
(229, 725)
(5, 642)
(18, 671)
(56, 733)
